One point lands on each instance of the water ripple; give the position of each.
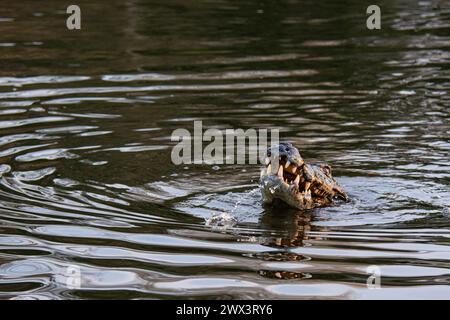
(87, 182)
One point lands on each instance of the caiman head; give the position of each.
(288, 178)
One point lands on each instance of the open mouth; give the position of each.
(302, 185)
(290, 173)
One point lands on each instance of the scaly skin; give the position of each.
(288, 178)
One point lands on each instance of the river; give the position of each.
(91, 205)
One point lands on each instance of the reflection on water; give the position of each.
(86, 178)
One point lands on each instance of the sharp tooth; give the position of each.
(307, 185)
(269, 169)
(297, 180)
(288, 163)
(267, 161)
(280, 171)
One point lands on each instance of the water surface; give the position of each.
(87, 184)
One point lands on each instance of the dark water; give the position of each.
(87, 183)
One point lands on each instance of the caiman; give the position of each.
(289, 179)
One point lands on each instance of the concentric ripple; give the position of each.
(88, 188)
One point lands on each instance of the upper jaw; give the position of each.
(284, 153)
(292, 165)
(287, 175)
